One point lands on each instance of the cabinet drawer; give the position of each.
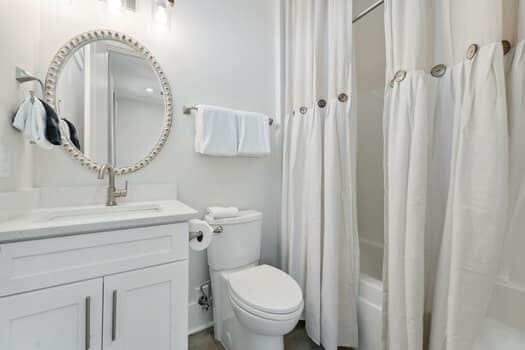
(30, 265)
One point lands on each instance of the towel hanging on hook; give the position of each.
(35, 118)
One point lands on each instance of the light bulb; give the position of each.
(161, 16)
(114, 6)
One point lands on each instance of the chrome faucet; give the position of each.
(113, 192)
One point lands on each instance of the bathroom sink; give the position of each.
(63, 221)
(96, 213)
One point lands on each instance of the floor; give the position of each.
(296, 340)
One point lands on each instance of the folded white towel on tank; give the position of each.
(223, 212)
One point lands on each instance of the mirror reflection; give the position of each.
(112, 99)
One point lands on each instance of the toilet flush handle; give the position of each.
(218, 229)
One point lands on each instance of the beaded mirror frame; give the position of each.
(61, 58)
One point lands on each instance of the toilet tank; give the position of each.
(239, 244)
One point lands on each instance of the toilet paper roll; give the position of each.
(201, 235)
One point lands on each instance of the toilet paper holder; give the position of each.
(199, 234)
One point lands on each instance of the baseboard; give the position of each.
(200, 329)
(199, 319)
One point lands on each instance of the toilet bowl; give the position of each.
(254, 305)
(265, 300)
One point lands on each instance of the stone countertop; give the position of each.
(68, 221)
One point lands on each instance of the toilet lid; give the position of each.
(267, 289)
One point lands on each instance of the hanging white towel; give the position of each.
(35, 126)
(216, 131)
(223, 212)
(254, 134)
(23, 114)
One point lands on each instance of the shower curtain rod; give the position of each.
(368, 10)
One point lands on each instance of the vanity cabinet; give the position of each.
(61, 318)
(116, 290)
(146, 309)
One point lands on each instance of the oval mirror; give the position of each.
(114, 99)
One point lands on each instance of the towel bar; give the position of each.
(189, 109)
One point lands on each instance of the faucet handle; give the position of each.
(123, 192)
(102, 171)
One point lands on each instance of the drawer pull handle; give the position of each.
(88, 323)
(114, 317)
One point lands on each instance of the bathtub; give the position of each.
(504, 328)
(370, 305)
(370, 315)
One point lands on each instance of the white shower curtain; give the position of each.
(513, 268)
(319, 228)
(446, 128)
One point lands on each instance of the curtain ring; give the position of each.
(506, 46)
(399, 76)
(321, 103)
(438, 70)
(342, 97)
(472, 51)
(303, 110)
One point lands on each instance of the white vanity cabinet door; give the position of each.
(147, 309)
(68, 317)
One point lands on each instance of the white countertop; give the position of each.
(67, 221)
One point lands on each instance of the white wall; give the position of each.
(15, 155)
(370, 56)
(216, 52)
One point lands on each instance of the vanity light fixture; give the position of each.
(114, 6)
(161, 15)
(149, 90)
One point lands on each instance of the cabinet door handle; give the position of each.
(88, 323)
(114, 317)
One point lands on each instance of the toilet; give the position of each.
(254, 305)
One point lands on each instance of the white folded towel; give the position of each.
(223, 212)
(254, 134)
(216, 131)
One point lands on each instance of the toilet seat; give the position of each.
(266, 292)
(264, 315)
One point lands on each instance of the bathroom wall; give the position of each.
(215, 52)
(370, 56)
(19, 47)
